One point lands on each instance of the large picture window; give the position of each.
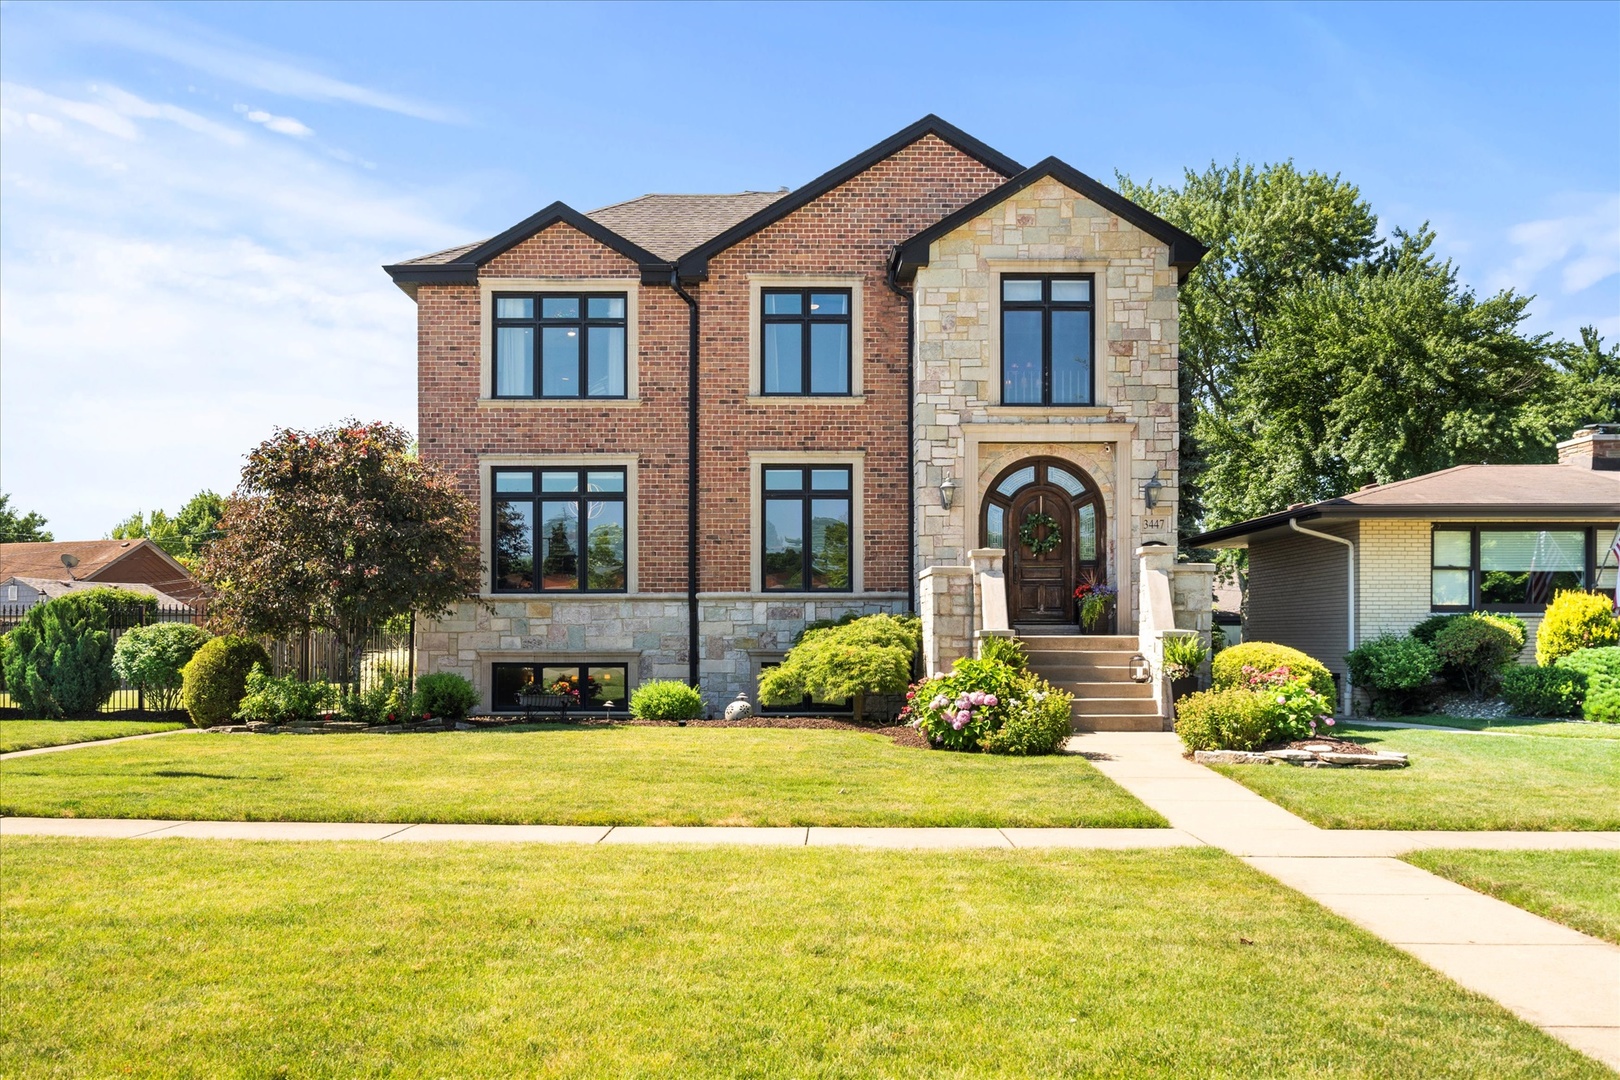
(559, 530)
(591, 686)
(1513, 568)
(805, 341)
(807, 529)
(559, 346)
(1046, 339)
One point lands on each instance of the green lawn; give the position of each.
(27, 734)
(586, 776)
(1580, 889)
(1455, 781)
(208, 959)
(1520, 725)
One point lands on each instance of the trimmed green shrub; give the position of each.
(1543, 691)
(214, 681)
(1509, 622)
(1009, 651)
(150, 658)
(1602, 670)
(444, 695)
(1393, 669)
(284, 700)
(1038, 721)
(666, 699)
(869, 655)
(1473, 649)
(1575, 620)
(1426, 630)
(1232, 718)
(59, 660)
(1263, 656)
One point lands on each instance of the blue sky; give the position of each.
(195, 199)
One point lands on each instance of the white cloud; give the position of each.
(1583, 246)
(239, 62)
(283, 125)
(173, 288)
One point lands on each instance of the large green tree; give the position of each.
(1316, 358)
(186, 535)
(340, 529)
(18, 528)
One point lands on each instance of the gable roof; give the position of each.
(1481, 491)
(45, 559)
(671, 225)
(694, 264)
(657, 232)
(1185, 249)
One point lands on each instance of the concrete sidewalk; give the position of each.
(60, 747)
(1564, 982)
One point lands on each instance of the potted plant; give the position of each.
(1092, 600)
(1184, 654)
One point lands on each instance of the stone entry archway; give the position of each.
(1048, 515)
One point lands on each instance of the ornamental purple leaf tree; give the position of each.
(340, 529)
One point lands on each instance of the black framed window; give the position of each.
(559, 530)
(805, 341)
(1514, 567)
(553, 345)
(807, 526)
(1046, 339)
(598, 687)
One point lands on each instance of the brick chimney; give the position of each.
(1596, 446)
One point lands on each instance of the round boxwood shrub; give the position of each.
(1394, 670)
(1227, 667)
(1473, 649)
(1575, 620)
(214, 681)
(1602, 670)
(666, 699)
(1543, 691)
(444, 695)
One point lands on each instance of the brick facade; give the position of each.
(846, 233)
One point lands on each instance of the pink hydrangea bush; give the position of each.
(966, 709)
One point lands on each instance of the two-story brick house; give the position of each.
(695, 423)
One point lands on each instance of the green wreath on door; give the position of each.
(1040, 545)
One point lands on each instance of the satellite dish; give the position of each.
(70, 561)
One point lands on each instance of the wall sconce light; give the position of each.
(1141, 670)
(947, 491)
(1150, 490)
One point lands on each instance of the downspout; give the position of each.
(910, 297)
(691, 478)
(1350, 594)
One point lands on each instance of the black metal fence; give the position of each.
(309, 656)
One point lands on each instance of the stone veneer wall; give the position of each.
(1047, 228)
(646, 631)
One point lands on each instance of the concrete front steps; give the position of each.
(1096, 669)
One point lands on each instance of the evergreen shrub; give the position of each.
(666, 699)
(1575, 620)
(214, 680)
(1227, 668)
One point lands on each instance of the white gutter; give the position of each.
(1350, 594)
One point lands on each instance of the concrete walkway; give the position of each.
(1563, 981)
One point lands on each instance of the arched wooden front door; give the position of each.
(1048, 515)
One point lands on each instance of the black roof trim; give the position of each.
(1185, 249)
(560, 211)
(695, 263)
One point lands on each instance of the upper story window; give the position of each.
(1046, 339)
(807, 529)
(1512, 568)
(559, 530)
(559, 345)
(805, 338)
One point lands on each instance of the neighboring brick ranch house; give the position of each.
(99, 562)
(865, 382)
(1470, 538)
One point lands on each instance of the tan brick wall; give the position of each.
(1129, 433)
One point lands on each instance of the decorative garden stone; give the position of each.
(739, 709)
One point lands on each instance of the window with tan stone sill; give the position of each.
(805, 339)
(556, 342)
